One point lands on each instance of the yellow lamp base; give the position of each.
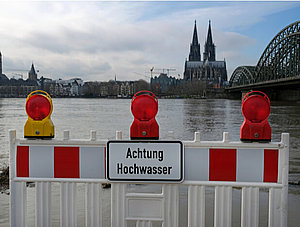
(39, 129)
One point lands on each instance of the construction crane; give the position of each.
(151, 71)
(168, 71)
(163, 70)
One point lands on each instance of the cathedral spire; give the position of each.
(209, 48)
(209, 35)
(195, 36)
(195, 47)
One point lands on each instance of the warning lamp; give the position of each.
(39, 108)
(256, 110)
(144, 107)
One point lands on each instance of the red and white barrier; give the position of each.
(219, 164)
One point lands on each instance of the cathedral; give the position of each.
(209, 70)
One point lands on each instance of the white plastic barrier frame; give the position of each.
(146, 208)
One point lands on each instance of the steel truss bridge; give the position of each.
(278, 66)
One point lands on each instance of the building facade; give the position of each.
(63, 88)
(209, 70)
(163, 83)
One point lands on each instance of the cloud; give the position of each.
(97, 40)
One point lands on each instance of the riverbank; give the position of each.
(4, 180)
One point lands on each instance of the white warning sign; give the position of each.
(145, 161)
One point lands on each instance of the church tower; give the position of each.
(209, 48)
(195, 47)
(32, 74)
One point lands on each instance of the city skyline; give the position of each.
(98, 40)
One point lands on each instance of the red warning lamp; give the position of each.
(256, 110)
(39, 108)
(144, 107)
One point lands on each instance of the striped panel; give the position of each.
(201, 164)
(66, 162)
(241, 165)
(270, 165)
(222, 164)
(22, 166)
(196, 164)
(41, 161)
(60, 162)
(250, 166)
(92, 162)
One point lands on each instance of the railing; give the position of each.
(254, 170)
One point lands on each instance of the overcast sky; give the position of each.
(98, 40)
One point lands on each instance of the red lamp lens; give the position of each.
(144, 107)
(38, 107)
(256, 108)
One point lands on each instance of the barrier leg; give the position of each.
(274, 207)
(223, 206)
(118, 191)
(43, 204)
(68, 205)
(171, 205)
(143, 224)
(93, 205)
(196, 206)
(250, 207)
(18, 202)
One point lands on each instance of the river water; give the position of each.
(211, 117)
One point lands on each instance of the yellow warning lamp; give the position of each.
(39, 108)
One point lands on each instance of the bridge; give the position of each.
(278, 66)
